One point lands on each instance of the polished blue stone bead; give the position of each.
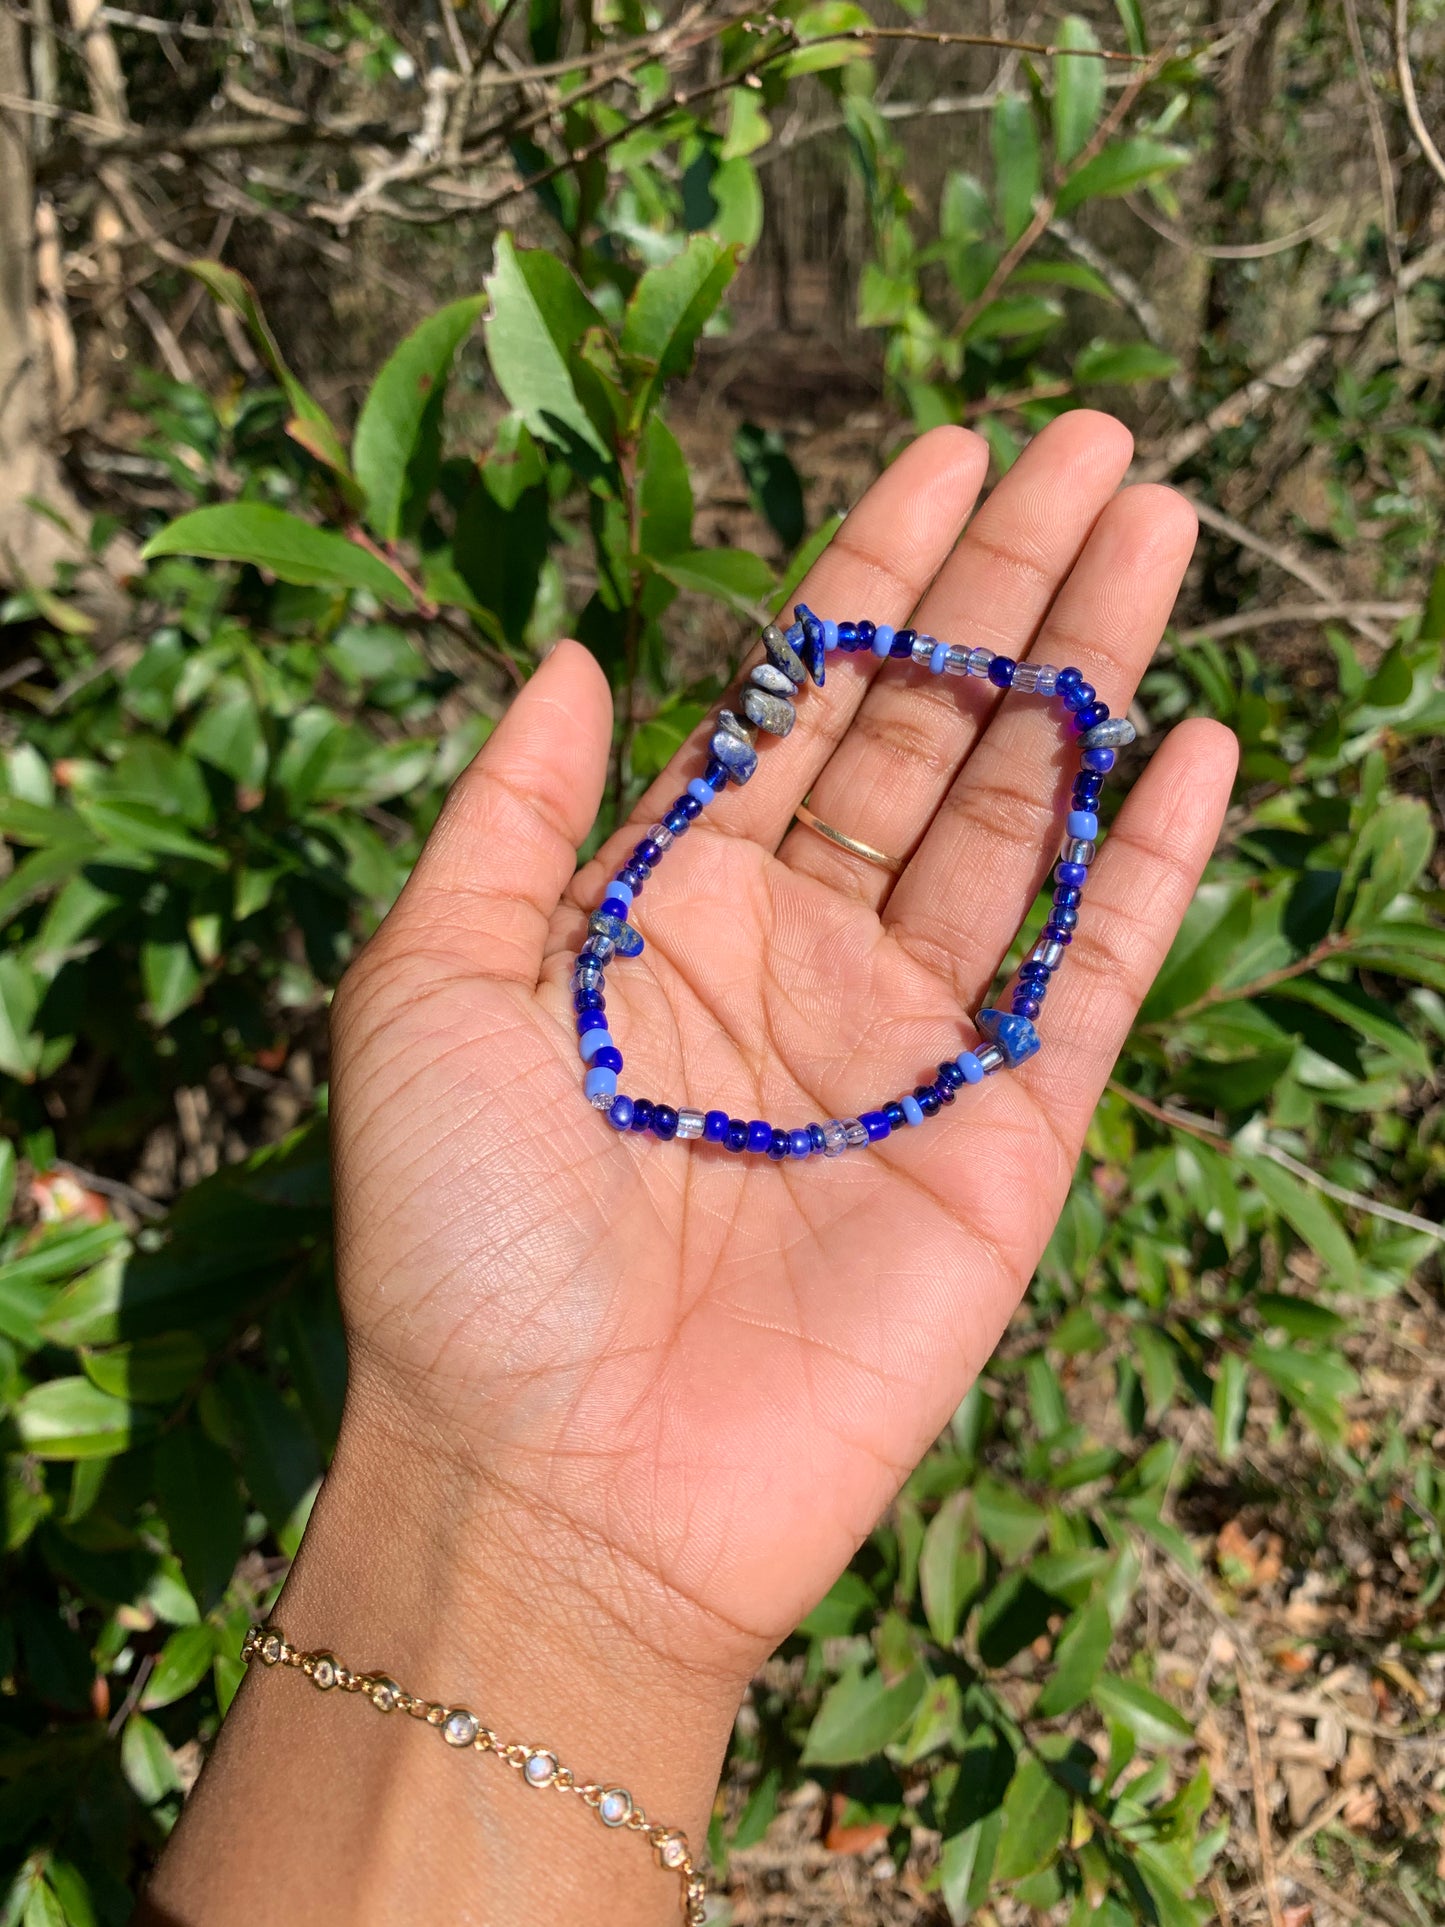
(1064, 919)
(1068, 896)
(664, 1121)
(588, 1000)
(715, 1126)
(893, 1111)
(928, 1101)
(1001, 672)
(1090, 716)
(1099, 760)
(737, 1135)
(760, 1135)
(1026, 1006)
(814, 643)
(1068, 679)
(1074, 873)
(912, 1110)
(600, 1083)
(628, 941)
(848, 635)
(616, 907)
(950, 1075)
(641, 1113)
(1082, 824)
(609, 1058)
(1079, 697)
(875, 1124)
(676, 821)
(817, 1139)
(647, 852)
(973, 1072)
(619, 1116)
(800, 1145)
(591, 1020)
(1015, 1036)
(738, 757)
(688, 805)
(901, 645)
(866, 633)
(777, 1146)
(715, 775)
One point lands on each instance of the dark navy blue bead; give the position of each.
(817, 1139)
(619, 1112)
(633, 876)
(591, 1020)
(664, 1121)
(760, 1135)
(1076, 873)
(800, 1145)
(875, 1123)
(1078, 697)
(943, 1093)
(609, 1058)
(641, 1113)
(692, 809)
(1027, 1007)
(848, 635)
(715, 1126)
(588, 1000)
(1068, 896)
(676, 821)
(866, 632)
(1068, 679)
(737, 1135)
(1090, 716)
(614, 907)
(716, 774)
(1101, 760)
(928, 1099)
(1035, 977)
(1063, 919)
(778, 1144)
(1057, 932)
(893, 1111)
(1088, 782)
(901, 645)
(1001, 672)
(647, 852)
(949, 1075)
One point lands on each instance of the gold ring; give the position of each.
(893, 864)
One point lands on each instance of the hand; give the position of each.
(619, 1410)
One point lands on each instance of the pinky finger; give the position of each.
(1141, 885)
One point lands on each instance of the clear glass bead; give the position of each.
(835, 1139)
(690, 1123)
(923, 647)
(855, 1132)
(587, 974)
(602, 1100)
(602, 948)
(661, 835)
(1050, 954)
(1048, 680)
(991, 1057)
(979, 661)
(955, 663)
(1026, 679)
(1079, 849)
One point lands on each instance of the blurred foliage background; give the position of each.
(352, 353)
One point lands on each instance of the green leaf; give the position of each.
(1158, 1363)
(1298, 1316)
(950, 1567)
(748, 127)
(1215, 924)
(734, 576)
(1152, 1720)
(1010, 1523)
(1307, 1214)
(151, 1371)
(1119, 168)
(964, 213)
(1230, 1402)
(389, 431)
(199, 1500)
(278, 1454)
(1018, 162)
(273, 539)
(530, 368)
(184, 1661)
(1014, 315)
(860, 1715)
(7, 1181)
(43, 1908)
(1114, 363)
(665, 494)
(21, 1045)
(1131, 18)
(669, 308)
(1078, 1660)
(1035, 1821)
(69, 1418)
(137, 831)
(1078, 87)
(146, 1761)
(170, 977)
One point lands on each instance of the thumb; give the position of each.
(505, 845)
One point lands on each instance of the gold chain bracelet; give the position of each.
(538, 1766)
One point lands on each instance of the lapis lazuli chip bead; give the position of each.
(1014, 1036)
(735, 753)
(625, 940)
(766, 677)
(782, 655)
(1117, 733)
(813, 647)
(775, 714)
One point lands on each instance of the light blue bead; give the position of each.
(971, 1068)
(1082, 824)
(599, 1083)
(622, 890)
(704, 792)
(911, 1109)
(938, 661)
(883, 639)
(591, 1041)
(830, 635)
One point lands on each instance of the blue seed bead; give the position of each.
(830, 635)
(621, 891)
(866, 634)
(617, 907)
(927, 1099)
(600, 1083)
(817, 1139)
(938, 661)
(949, 1075)
(882, 639)
(1065, 919)
(800, 1145)
(876, 1125)
(1001, 672)
(1088, 782)
(664, 1121)
(702, 793)
(588, 1000)
(1034, 978)
(1068, 897)
(1090, 716)
(1082, 824)
(760, 1135)
(609, 1058)
(943, 1093)
(619, 1115)
(715, 1127)
(1079, 697)
(688, 805)
(901, 645)
(777, 1146)
(642, 1109)
(647, 852)
(847, 635)
(590, 1020)
(1085, 797)
(971, 1068)
(893, 1111)
(1099, 760)
(716, 775)
(912, 1110)
(1068, 679)
(633, 876)
(1056, 932)
(592, 1041)
(676, 821)
(1026, 1006)
(1075, 873)
(737, 1135)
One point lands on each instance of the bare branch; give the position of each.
(1432, 153)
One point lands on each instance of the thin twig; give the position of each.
(1292, 612)
(1431, 152)
(1384, 167)
(1261, 1797)
(1218, 251)
(1277, 553)
(143, 1206)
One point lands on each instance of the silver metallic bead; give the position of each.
(1079, 849)
(1115, 732)
(602, 1100)
(690, 1123)
(991, 1057)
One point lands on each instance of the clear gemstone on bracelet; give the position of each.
(323, 1671)
(459, 1728)
(385, 1694)
(672, 1850)
(614, 1809)
(273, 1647)
(540, 1768)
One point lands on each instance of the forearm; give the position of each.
(316, 1808)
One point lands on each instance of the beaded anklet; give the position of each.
(767, 704)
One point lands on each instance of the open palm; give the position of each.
(707, 1374)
